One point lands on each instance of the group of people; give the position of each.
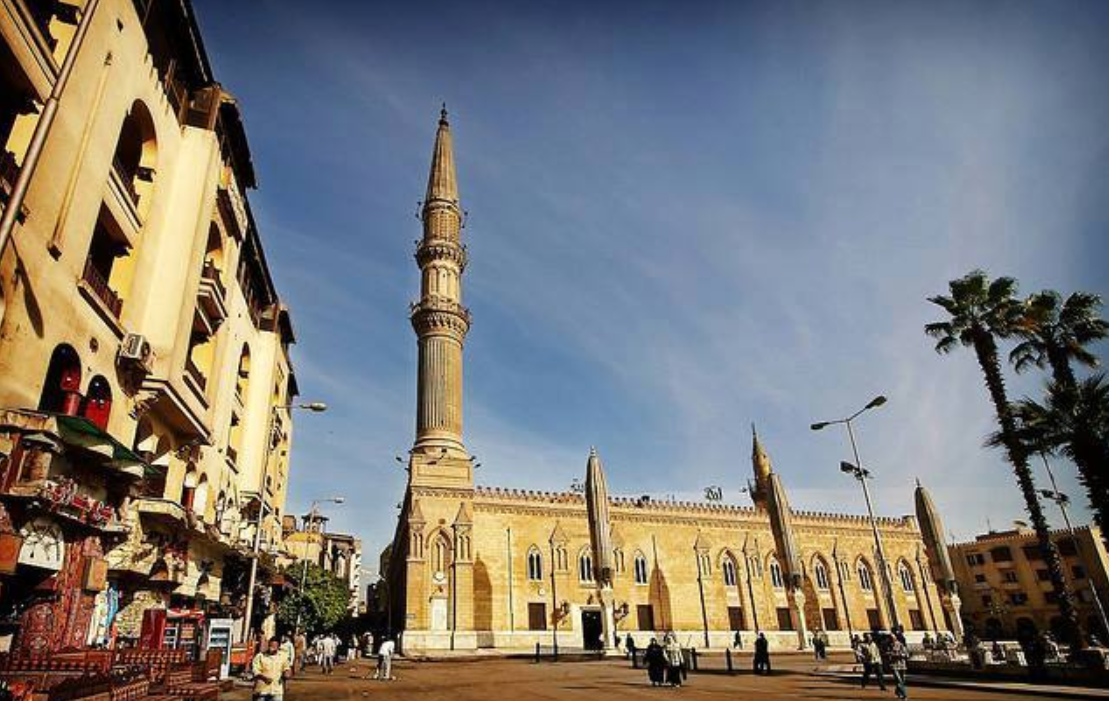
(876, 653)
(283, 658)
(665, 662)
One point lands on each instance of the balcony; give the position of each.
(99, 286)
(9, 171)
(195, 375)
(212, 295)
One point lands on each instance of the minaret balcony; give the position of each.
(435, 312)
(441, 249)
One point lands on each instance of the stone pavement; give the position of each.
(523, 680)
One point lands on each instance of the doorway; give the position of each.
(591, 630)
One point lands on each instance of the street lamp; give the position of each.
(862, 475)
(1062, 501)
(315, 407)
(312, 513)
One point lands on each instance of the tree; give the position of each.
(321, 604)
(1074, 423)
(979, 312)
(1056, 333)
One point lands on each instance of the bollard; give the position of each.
(635, 660)
(537, 653)
(728, 659)
(694, 656)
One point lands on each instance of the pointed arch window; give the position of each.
(866, 583)
(640, 569)
(440, 554)
(820, 573)
(906, 575)
(585, 567)
(776, 577)
(618, 560)
(728, 567)
(535, 564)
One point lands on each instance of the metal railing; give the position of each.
(128, 180)
(96, 282)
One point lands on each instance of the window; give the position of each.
(916, 620)
(1067, 547)
(755, 567)
(537, 616)
(618, 560)
(1011, 576)
(440, 554)
(1018, 598)
(735, 618)
(109, 262)
(785, 621)
(844, 570)
(865, 582)
(645, 616)
(98, 404)
(535, 566)
(1032, 553)
(1001, 554)
(729, 572)
(831, 621)
(776, 576)
(975, 559)
(640, 569)
(585, 567)
(61, 390)
(980, 578)
(873, 619)
(821, 574)
(1043, 575)
(907, 584)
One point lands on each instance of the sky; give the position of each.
(683, 218)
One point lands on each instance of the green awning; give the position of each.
(79, 431)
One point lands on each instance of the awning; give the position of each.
(79, 432)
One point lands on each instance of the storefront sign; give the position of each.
(43, 545)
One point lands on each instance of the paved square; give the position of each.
(520, 680)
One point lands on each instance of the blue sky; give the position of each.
(684, 217)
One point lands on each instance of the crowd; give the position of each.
(285, 657)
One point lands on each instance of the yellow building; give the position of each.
(337, 553)
(1007, 590)
(135, 294)
(478, 567)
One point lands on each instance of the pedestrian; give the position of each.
(327, 654)
(367, 644)
(674, 660)
(629, 647)
(872, 661)
(289, 650)
(762, 654)
(655, 661)
(300, 645)
(737, 642)
(898, 654)
(270, 668)
(385, 660)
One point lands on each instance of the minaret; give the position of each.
(781, 525)
(760, 461)
(438, 318)
(600, 538)
(935, 546)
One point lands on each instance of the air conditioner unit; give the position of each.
(135, 351)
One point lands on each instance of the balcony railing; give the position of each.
(128, 180)
(99, 286)
(195, 374)
(9, 171)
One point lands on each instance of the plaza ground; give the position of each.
(521, 680)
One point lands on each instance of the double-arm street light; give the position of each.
(315, 407)
(312, 517)
(1062, 501)
(860, 473)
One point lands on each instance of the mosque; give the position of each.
(487, 567)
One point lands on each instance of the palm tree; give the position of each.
(980, 311)
(1074, 423)
(1056, 332)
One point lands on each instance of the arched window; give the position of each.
(440, 554)
(618, 560)
(906, 575)
(728, 567)
(242, 380)
(776, 577)
(188, 489)
(866, 583)
(585, 566)
(136, 155)
(820, 572)
(535, 564)
(61, 390)
(640, 569)
(754, 566)
(200, 499)
(98, 404)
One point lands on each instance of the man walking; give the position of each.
(762, 654)
(327, 654)
(872, 661)
(385, 660)
(270, 668)
(898, 654)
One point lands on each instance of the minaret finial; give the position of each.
(592, 451)
(443, 115)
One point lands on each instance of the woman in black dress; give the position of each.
(656, 663)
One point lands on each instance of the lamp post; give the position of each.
(862, 474)
(312, 513)
(1062, 500)
(315, 407)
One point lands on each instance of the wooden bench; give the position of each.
(156, 662)
(182, 683)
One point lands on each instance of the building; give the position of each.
(476, 567)
(1006, 588)
(337, 553)
(144, 351)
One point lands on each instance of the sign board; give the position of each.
(43, 545)
(219, 638)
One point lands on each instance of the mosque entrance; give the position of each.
(591, 629)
